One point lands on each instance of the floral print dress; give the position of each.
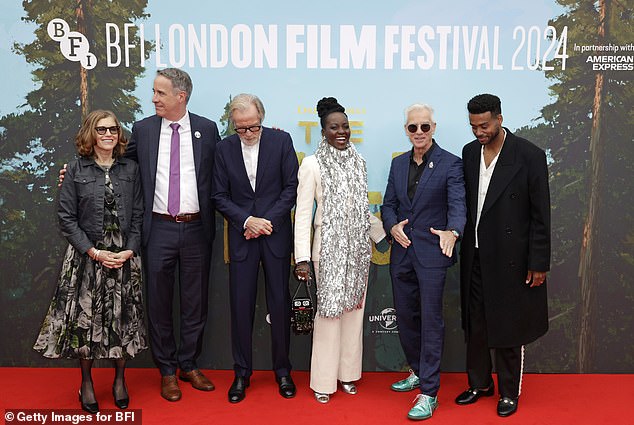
(96, 312)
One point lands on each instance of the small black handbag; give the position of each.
(303, 308)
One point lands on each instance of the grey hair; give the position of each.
(180, 80)
(419, 107)
(242, 102)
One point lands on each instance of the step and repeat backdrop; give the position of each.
(563, 70)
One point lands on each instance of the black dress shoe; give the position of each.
(473, 394)
(238, 389)
(287, 386)
(507, 406)
(121, 403)
(91, 408)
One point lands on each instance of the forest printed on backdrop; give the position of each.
(585, 122)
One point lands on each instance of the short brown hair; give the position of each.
(87, 135)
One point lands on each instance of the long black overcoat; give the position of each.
(513, 237)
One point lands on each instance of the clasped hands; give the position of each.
(113, 260)
(446, 241)
(256, 227)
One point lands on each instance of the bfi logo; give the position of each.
(73, 45)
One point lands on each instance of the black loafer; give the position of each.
(238, 389)
(507, 406)
(473, 394)
(287, 386)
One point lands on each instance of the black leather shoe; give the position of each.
(238, 389)
(91, 408)
(507, 406)
(473, 394)
(287, 386)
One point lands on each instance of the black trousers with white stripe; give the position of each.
(508, 360)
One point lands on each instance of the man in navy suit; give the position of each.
(424, 211)
(255, 185)
(177, 237)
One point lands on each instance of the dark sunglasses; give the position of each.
(102, 130)
(423, 127)
(252, 129)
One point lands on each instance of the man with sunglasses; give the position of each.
(255, 185)
(424, 212)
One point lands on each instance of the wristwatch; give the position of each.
(455, 233)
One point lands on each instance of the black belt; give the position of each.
(181, 218)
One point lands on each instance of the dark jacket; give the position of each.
(143, 147)
(513, 237)
(81, 202)
(439, 202)
(274, 195)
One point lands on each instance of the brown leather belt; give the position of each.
(181, 218)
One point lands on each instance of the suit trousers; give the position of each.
(418, 292)
(243, 287)
(508, 360)
(337, 348)
(177, 246)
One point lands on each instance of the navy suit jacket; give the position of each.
(439, 202)
(143, 147)
(274, 195)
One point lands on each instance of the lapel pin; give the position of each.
(197, 134)
(431, 164)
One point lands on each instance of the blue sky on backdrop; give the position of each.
(380, 94)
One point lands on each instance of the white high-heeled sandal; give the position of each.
(322, 398)
(348, 387)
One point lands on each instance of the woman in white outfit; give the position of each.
(335, 177)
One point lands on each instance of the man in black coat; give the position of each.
(505, 253)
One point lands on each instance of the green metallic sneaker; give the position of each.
(424, 407)
(408, 384)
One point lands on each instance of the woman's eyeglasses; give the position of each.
(102, 130)
(423, 127)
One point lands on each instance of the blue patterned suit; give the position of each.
(418, 272)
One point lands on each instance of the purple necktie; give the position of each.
(174, 193)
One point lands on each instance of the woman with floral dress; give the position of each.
(97, 308)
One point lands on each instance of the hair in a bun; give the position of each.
(327, 106)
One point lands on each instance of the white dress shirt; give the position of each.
(250, 157)
(188, 187)
(483, 183)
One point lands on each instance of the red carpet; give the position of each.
(546, 399)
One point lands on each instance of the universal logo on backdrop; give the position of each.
(384, 322)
